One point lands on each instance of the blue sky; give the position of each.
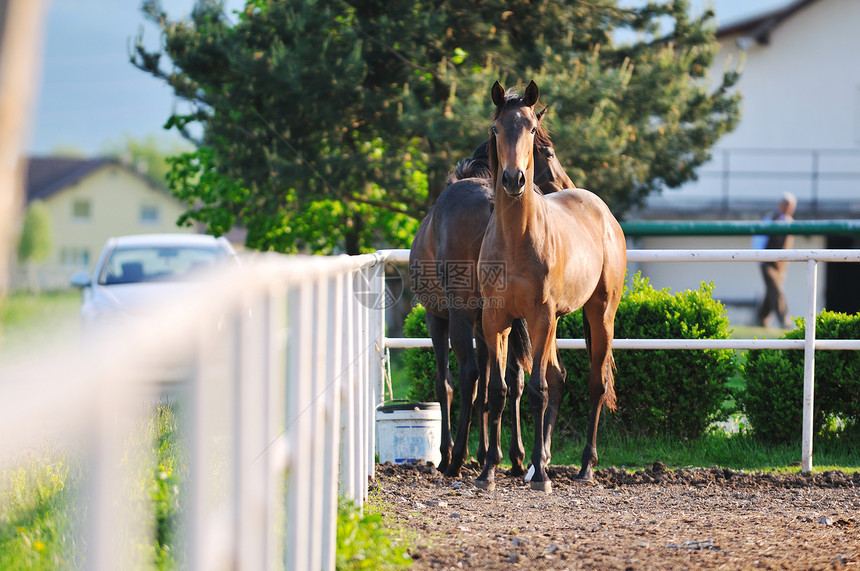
(90, 96)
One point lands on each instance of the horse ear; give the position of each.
(498, 94)
(532, 94)
(542, 112)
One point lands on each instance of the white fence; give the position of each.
(282, 362)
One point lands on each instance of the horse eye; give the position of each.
(534, 130)
(493, 130)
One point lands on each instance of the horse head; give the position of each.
(512, 138)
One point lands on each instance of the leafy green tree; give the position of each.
(360, 109)
(35, 242)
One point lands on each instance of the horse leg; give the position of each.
(438, 328)
(599, 325)
(497, 345)
(555, 378)
(542, 333)
(481, 399)
(515, 381)
(460, 327)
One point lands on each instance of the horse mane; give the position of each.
(476, 167)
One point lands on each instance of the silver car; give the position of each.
(134, 272)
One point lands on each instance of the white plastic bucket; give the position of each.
(409, 431)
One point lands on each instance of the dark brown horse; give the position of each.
(443, 271)
(543, 257)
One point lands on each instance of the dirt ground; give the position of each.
(703, 518)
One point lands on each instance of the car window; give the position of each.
(164, 263)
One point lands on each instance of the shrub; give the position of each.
(773, 401)
(669, 392)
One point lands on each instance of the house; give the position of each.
(799, 132)
(90, 200)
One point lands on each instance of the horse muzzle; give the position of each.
(514, 182)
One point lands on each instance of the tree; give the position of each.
(35, 243)
(358, 110)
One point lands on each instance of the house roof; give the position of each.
(759, 27)
(48, 175)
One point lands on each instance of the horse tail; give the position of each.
(609, 382)
(608, 377)
(520, 345)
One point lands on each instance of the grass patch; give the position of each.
(364, 541)
(739, 451)
(39, 519)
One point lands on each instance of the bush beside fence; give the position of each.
(773, 399)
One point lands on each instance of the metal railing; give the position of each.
(817, 176)
(809, 345)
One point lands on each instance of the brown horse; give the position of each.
(543, 257)
(443, 271)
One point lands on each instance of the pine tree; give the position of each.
(332, 125)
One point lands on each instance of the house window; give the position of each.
(75, 256)
(148, 214)
(81, 210)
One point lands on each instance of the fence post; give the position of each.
(809, 364)
(334, 377)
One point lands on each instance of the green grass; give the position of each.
(37, 514)
(739, 451)
(41, 519)
(365, 542)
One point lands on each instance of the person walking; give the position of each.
(774, 272)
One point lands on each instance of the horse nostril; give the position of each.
(521, 180)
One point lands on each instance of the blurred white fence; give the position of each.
(279, 366)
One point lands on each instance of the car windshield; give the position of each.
(157, 263)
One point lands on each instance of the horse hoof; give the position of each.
(545, 486)
(452, 472)
(488, 485)
(517, 471)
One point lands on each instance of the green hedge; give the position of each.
(659, 392)
(773, 400)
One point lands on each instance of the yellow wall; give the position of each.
(116, 197)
